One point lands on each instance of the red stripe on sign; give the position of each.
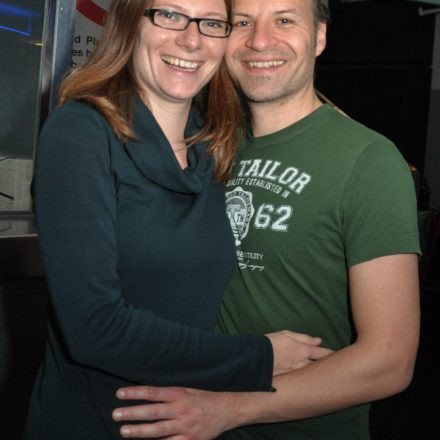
(92, 11)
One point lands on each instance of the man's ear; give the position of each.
(321, 38)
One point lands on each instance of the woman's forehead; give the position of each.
(195, 6)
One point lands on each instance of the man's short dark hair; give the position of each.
(321, 11)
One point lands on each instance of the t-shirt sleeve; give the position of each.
(77, 222)
(379, 211)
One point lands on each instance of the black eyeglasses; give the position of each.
(176, 21)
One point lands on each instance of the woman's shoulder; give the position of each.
(72, 114)
(77, 121)
(75, 128)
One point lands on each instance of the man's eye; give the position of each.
(242, 23)
(285, 21)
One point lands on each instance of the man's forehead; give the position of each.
(271, 5)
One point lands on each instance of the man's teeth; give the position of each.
(265, 64)
(191, 65)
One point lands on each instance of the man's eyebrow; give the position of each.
(241, 14)
(281, 11)
(287, 11)
(292, 11)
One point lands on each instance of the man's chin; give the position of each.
(261, 98)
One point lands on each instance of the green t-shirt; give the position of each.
(305, 203)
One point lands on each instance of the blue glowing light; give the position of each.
(16, 11)
(17, 31)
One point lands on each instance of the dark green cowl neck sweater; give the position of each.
(137, 254)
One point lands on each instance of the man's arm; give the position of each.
(385, 306)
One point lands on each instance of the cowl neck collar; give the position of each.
(155, 159)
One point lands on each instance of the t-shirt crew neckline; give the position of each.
(315, 118)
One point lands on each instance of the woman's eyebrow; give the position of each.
(177, 8)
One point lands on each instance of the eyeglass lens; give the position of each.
(177, 21)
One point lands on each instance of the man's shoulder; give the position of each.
(349, 140)
(343, 127)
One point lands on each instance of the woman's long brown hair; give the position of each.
(107, 81)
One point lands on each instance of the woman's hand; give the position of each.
(295, 350)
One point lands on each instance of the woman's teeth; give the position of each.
(189, 65)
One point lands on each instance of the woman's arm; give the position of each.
(385, 303)
(76, 211)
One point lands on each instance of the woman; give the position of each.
(132, 228)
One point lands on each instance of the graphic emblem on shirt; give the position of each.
(240, 211)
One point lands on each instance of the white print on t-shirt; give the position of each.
(252, 261)
(249, 265)
(270, 175)
(240, 210)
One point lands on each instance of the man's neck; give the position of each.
(270, 117)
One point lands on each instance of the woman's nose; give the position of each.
(190, 37)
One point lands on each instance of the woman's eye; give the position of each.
(214, 24)
(169, 15)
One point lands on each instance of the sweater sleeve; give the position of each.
(76, 213)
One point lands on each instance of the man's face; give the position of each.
(272, 49)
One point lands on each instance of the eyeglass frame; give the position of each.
(151, 12)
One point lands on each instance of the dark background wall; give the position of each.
(382, 67)
(23, 311)
(22, 340)
(377, 67)
(432, 158)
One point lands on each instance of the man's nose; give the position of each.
(262, 37)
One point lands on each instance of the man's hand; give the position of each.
(186, 413)
(179, 414)
(385, 306)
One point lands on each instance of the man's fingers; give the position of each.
(152, 411)
(154, 394)
(163, 429)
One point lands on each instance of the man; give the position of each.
(324, 217)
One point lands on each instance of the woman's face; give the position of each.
(172, 65)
